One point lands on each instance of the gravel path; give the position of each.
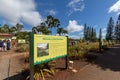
(10, 64)
(105, 67)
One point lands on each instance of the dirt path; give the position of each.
(105, 67)
(10, 64)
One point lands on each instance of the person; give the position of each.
(4, 45)
(8, 44)
(1, 45)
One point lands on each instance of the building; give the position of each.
(5, 36)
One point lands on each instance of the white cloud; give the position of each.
(73, 26)
(51, 12)
(103, 32)
(74, 36)
(16, 11)
(115, 7)
(76, 5)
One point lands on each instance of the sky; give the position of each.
(73, 14)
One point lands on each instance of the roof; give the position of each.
(5, 34)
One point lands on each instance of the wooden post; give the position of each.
(66, 58)
(31, 56)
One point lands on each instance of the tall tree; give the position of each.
(100, 39)
(85, 31)
(43, 29)
(89, 33)
(110, 30)
(52, 22)
(49, 21)
(117, 29)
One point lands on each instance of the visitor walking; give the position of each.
(1, 45)
(4, 45)
(8, 45)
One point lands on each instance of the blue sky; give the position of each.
(73, 14)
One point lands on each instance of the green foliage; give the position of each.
(117, 29)
(41, 28)
(52, 22)
(23, 35)
(110, 30)
(7, 29)
(61, 31)
(43, 70)
(81, 50)
(89, 33)
(19, 27)
(22, 48)
(47, 26)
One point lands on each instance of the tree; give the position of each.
(5, 28)
(49, 21)
(110, 29)
(93, 35)
(117, 29)
(13, 29)
(85, 32)
(89, 33)
(52, 22)
(34, 30)
(19, 27)
(43, 29)
(65, 32)
(100, 37)
(61, 31)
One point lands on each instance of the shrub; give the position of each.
(81, 50)
(22, 48)
(43, 70)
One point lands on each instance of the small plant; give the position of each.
(43, 70)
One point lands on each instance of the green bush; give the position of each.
(43, 70)
(81, 50)
(22, 48)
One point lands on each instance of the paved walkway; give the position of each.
(105, 67)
